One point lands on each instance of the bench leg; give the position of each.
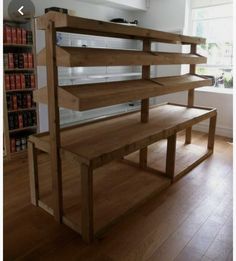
(143, 154)
(211, 133)
(33, 173)
(87, 203)
(170, 156)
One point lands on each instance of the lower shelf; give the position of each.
(186, 155)
(118, 188)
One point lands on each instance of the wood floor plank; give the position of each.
(197, 204)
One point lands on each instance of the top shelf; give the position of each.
(73, 24)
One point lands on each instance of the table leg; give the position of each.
(211, 133)
(33, 173)
(87, 203)
(170, 156)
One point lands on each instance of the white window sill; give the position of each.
(215, 90)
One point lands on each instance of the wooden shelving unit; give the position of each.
(95, 155)
(15, 44)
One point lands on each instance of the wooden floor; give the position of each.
(191, 220)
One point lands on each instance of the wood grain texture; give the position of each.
(192, 218)
(191, 93)
(80, 56)
(87, 221)
(54, 120)
(170, 156)
(145, 104)
(81, 25)
(101, 142)
(33, 173)
(90, 96)
(211, 134)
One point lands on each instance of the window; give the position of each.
(215, 23)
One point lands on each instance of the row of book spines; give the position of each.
(18, 144)
(17, 35)
(20, 120)
(19, 81)
(20, 101)
(18, 60)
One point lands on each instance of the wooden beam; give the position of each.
(87, 222)
(54, 121)
(192, 166)
(170, 156)
(188, 137)
(211, 134)
(67, 23)
(80, 56)
(33, 173)
(143, 154)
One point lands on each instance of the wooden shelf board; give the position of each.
(90, 96)
(19, 69)
(17, 45)
(67, 23)
(186, 155)
(23, 109)
(23, 129)
(21, 90)
(118, 188)
(101, 142)
(80, 56)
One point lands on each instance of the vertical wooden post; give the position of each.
(87, 203)
(211, 133)
(33, 173)
(188, 137)
(54, 121)
(143, 154)
(170, 156)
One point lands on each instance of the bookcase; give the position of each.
(20, 79)
(73, 176)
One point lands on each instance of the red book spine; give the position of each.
(18, 82)
(19, 38)
(23, 36)
(29, 101)
(10, 60)
(7, 82)
(7, 34)
(30, 60)
(22, 81)
(12, 82)
(13, 145)
(32, 80)
(13, 35)
(26, 64)
(14, 100)
(20, 121)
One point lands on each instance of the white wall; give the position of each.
(173, 15)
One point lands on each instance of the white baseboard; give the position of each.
(220, 130)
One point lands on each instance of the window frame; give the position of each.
(190, 30)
